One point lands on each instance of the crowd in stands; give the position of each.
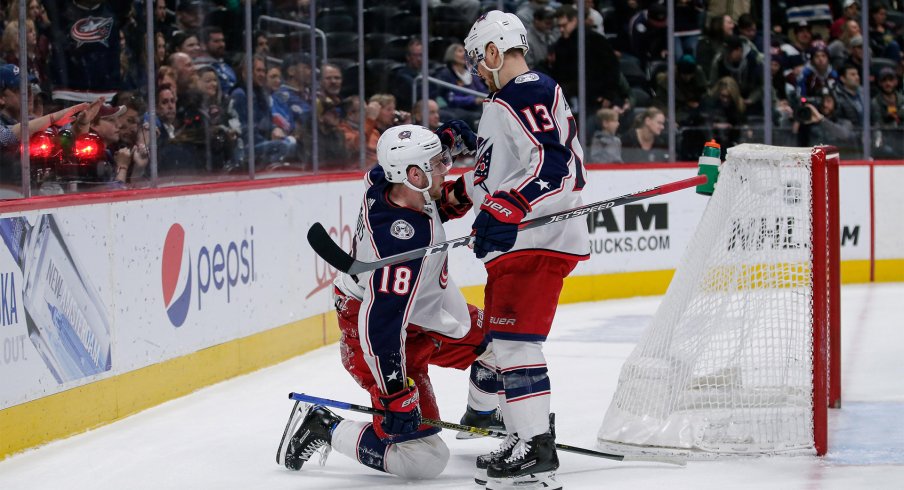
(93, 51)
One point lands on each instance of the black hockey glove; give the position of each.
(457, 136)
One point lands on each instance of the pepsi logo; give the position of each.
(176, 275)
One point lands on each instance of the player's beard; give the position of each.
(491, 85)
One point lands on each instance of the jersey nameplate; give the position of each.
(527, 77)
(402, 230)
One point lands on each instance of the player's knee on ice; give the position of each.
(419, 459)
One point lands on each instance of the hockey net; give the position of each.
(736, 359)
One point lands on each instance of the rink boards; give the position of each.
(197, 285)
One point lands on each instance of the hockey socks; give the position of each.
(358, 441)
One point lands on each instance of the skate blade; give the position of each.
(298, 412)
(481, 476)
(468, 435)
(533, 481)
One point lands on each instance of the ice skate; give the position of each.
(485, 460)
(532, 464)
(297, 446)
(491, 420)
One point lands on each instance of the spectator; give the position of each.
(850, 13)
(848, 95)
(713, 41)
(802, 38)
(86, 67)
(189, 15)
(606, 146)
(10, 106)
(9, 46)
(747, 30)
(592, 18)
(332, 146)
(189, 44)
(118, 156)
(541, 35)
(781, 88)
(433, 120)
(526, 11)
(403, 78)
(184, 70)
(135, 107)
(818, 76)
(839, 49)
(350, 124)
(731, 8)
(380, 114)
(331, 84)
(460, 105)
(159, 49)
(888, 116)
(271, 144)
(164, 21)
(274, 78)
(295, 92)
(856, 57)
(881, 36)
(824, 126)
(648, 34)
(744, 67)
(726, 110)
(167, 76)
(688, 19)
(602, 71)
(223, 121)
(261, 44)
(643, 142)
(690, 91)
(166, 114)
(215, 44)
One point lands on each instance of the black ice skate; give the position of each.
(491, 420)
(531, 464)
(297, 446)
(485, 460)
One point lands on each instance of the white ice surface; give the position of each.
(225, 436)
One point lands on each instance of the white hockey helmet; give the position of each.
(400, 147)
(505, 30)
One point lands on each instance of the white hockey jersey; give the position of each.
(418, 291)
(527, 141)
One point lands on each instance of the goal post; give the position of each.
(742, 356)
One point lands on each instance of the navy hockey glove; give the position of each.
(496, 227)
(454, 189)
(402, 411)
(455, 134)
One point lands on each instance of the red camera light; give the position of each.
(88, 146)
(41, 146)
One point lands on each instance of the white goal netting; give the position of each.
(725, 367)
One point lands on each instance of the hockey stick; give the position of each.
(676, 460)
(333, 254)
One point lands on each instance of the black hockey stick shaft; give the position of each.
(483, 432)
(333, 254)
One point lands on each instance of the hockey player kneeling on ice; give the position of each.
(396, 320)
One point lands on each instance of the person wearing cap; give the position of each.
(818, 75)
(10, 110)
(802, 37)
(888, 104)
(106, 125)
(851, 11)
(855, 47)
(189, 15)
(541, 35)
(648, 34)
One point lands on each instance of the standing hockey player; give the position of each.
(529, 163)
(396, 320)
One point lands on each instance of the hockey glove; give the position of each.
(402, 411)
(454, 189)
(457, 136)
(496, 227)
